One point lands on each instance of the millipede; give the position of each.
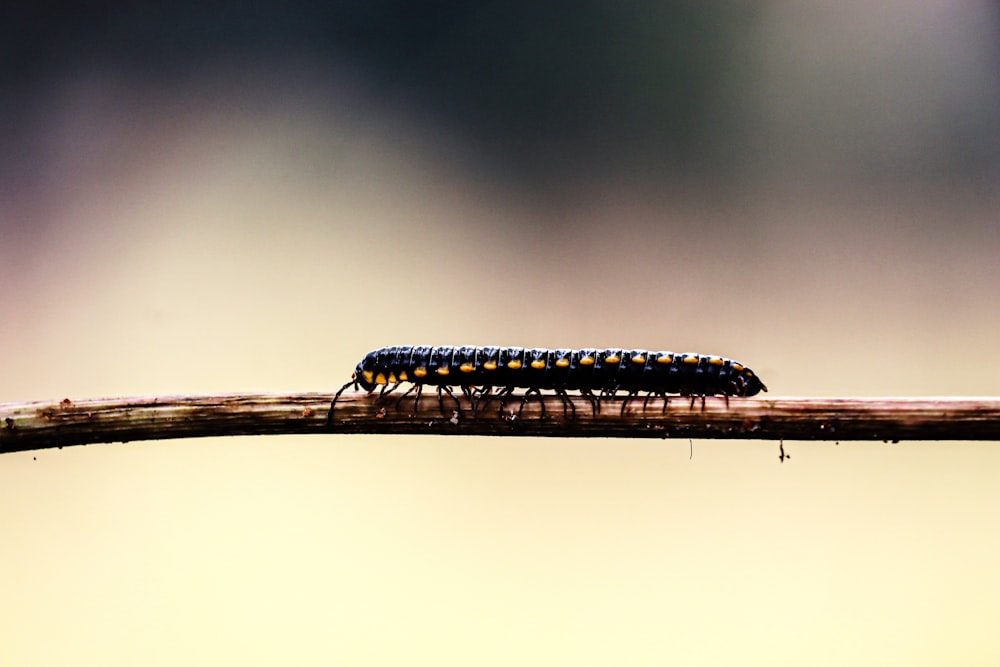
(477, 371)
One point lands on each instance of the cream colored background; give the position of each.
(224, 236)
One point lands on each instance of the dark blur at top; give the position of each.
(549, 95)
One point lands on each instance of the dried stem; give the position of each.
(47, 424)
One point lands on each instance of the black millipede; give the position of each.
(477, 371)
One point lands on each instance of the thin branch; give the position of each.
(48, 424)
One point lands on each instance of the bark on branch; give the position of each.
(47, 424)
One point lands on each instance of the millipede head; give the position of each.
(364, 373)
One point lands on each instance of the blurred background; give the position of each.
(220, 197)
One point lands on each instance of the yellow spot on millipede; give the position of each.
(638, 359)
(369, 376)
(586, 361)
(715, 361)
(691, 359)
(562, 363)
(514, 365)
(538, 364)
(664, 359)
(737, 367)
(613, 359)
(467, 367)
(442, 370)
(380, 379)
(490, 366)
(392, 377)
(420, 371)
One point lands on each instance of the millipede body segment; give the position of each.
(605, 371)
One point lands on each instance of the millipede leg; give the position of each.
(481, 395)
(386, 389)
(631, 395)
(502, 399)
(609, 393)
(655, 394)
(406, 393)
(329, 413)
(595, 402)
(561, 393)
(735, 388)
(524, 399)
(446, 389)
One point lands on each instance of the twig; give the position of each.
(47, 424)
